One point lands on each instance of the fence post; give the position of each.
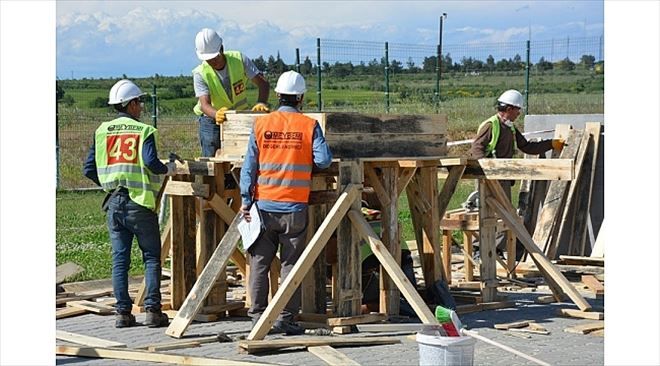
(318, 72)
(57, 143)
(298, 60)
(387, 79)
(527, 70)
(154, 114)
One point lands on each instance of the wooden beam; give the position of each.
(541, 261)
(192, 167)
(593, 284)
(532, 169)
(387, 327)
(178, 188)
(586, 328)
(406, 174)
(135, 355)
(331, 356)
(375, 182)
(184, 257)
(358, 319)
(348, 248)
(390, 298)
(518, 324)
(580, 232)
(92, 307)
(218, 261)
(86, 340)
(253, 346)
(392, 268)
(68, 311)
(305, 262)
(487, 243)
(594, 315)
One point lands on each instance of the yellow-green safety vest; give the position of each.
(119, 160)
(495, 134)
(219, 96)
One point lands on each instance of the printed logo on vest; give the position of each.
(239, 87)
(279, 135)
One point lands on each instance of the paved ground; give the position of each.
(558, 348)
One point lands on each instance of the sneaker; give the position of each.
(156, 319)
(124, 320)
(287, 327)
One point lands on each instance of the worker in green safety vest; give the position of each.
(497, 137)
(220, 84)
(123, 160)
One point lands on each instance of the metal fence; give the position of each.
(556, 76)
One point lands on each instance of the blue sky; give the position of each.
(141, 38)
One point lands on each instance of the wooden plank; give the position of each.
(573, 313)
(171, 346)
(66, 270)
(221, 208)
(387, 328)
(584, 205)
(85, 295)
(184, 257)
(192, 167)
(331, 356)
(137, 355)
(394, 270)
(390, 297)
(86, 340)
(586, 328)
(405, 175)
(593, 284)
(579, 260)
(68, 312)
(348, 248)
(92, 307)
(519, 324)
(305, 262)
(218, 261)
(314, 284)
(253, 346)
(487, 244)
(528, 330)
(468, 265)
(554, 199)
(178, 188)
(358, 319)
(166, 243)
(472, 308)
(184, 343)
(532, 169)
(375, 182)
(344, 329)
(552, 275)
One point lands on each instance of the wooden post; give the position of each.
(212, 230)
(389, 293)
(446, 254)
(487, 234)
(511, 254)
(313, 286)
(183, 248)
(468, 266)
(348, 247)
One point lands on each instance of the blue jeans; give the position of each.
(209, 136)
(126, 219)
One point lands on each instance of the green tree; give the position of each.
(565, 65)
(396, 66)
(543, 65)
(490, 63)
(587, 61)
(306, 67)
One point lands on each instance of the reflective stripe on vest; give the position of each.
(238, 79)
(495, 134)
(284, 141)
(119, 160)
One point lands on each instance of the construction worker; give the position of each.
(497, 137)
(276, 176)
(124, 161)
(220, 84)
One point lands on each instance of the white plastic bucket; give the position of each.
(445, 351)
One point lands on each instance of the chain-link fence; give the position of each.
(556, 76)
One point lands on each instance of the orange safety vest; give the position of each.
(284, 140)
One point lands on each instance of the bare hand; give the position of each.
(245, 212)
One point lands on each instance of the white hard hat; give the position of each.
(290, 82)
(207, 44)
(123, 92)
(511, 97)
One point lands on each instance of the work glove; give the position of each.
(171, 169)
(558, 144)
(220, 117)
(260, 107)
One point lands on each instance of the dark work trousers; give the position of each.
(289, 230)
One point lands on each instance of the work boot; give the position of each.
(287, 327)
(156, 319)
(124, 320)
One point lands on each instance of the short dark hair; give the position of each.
(121, 108)
(290, 100)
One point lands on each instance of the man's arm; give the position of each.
(204, 95)
(481, 141)
(249, 171)
(532, 148)
(320, 148)
(264, 88)
(89, 167)
(150, 156)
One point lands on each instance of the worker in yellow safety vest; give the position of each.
(497, 137)
(220, 84)
(123, 160)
